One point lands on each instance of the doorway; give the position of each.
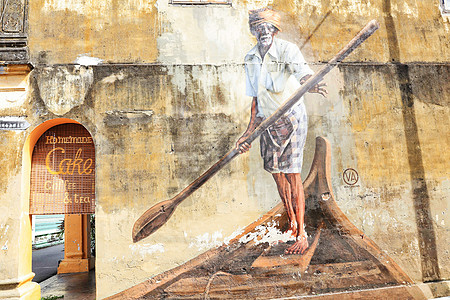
(62, 193)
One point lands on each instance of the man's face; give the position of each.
(264, 34)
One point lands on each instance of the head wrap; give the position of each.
(264, 15)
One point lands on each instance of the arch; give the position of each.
(25, 256)
(63, 171)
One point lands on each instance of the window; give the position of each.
(200, 2)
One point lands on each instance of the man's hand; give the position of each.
(318, 88)
(245, 146)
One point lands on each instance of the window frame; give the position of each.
(201, 2)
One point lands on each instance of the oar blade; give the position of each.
(153, 219)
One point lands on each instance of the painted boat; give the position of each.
(341, 258)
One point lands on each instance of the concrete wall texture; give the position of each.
(168, 100)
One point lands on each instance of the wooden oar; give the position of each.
(158, 214)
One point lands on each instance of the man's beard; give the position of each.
(265, 40)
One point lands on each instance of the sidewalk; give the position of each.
(74, 286)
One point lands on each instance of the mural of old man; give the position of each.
(274, 70)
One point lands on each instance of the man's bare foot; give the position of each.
(299, 247)
(293, 228)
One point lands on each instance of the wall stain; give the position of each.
(319, 24)
(207, 136)
(10, 160)
(421, 197)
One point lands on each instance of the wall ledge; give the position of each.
(15, 69)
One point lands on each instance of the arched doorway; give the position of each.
(63, 171)
(62, 181)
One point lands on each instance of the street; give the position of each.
(45, 262)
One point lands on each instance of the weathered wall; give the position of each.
(11, 143)
(157, 127)
(404, 186)
(153, 31)
(15, 227)
(152, 140)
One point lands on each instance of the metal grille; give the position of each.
(63, 172)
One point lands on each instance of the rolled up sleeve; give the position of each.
(297, 63)
(250, 85)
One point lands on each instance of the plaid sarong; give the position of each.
(282, 143)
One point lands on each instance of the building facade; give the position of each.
(160, 87)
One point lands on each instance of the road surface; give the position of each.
(45, 262)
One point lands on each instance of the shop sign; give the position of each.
(63, 172)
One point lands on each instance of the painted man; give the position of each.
(274, 71)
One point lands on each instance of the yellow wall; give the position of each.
(154, 31)
(158, 126)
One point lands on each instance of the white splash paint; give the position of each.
(267, 234)
(147, 249)
(237, 232)
(85, 60)
(207, 241)
(5, 246)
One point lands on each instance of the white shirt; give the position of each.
(274, 79)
